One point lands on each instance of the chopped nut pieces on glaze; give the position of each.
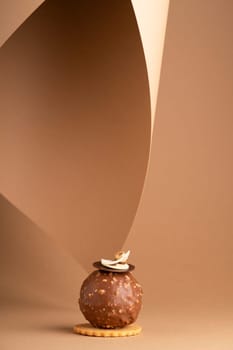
(110, 299)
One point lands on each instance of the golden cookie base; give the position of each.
(87, 329)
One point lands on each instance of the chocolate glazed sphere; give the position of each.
(110, 299)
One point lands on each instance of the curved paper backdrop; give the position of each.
(75, 124)
(182, 234)
(152, 19)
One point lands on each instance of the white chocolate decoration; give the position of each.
(117, 264)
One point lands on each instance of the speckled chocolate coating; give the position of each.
(110, 299)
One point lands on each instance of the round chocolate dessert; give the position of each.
(110, 299)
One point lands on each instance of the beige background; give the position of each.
(181, 238)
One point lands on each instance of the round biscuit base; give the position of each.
(89, 330)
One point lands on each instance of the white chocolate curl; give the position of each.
(117, 264)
